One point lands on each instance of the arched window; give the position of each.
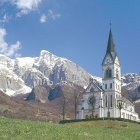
(108, 73)
(117, 74)
(106, 101)
(110, 85)
(92, 100)
(111, 100)
(92, 90)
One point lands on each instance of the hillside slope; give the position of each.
(100, 130)
(17, 108)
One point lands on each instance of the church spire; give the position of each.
(111, 51)
(110, 46)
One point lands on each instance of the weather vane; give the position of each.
(110, 24)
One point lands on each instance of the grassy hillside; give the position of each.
(12, 129)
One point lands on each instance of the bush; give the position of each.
(95, 119)
(87, 117)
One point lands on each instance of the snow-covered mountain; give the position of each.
(21, 74)
(10, 83)
(130, 78)
(131, 86)
(48, 68)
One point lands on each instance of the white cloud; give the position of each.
(24, 6)
(22, 13)
(8, 50)
(43, 18)
(27, 4)
(50, 15)
(5, 18)
(53, 15)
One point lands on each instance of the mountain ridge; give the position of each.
(47, 68)
(46, 79)
(20, 75)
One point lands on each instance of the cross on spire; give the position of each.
(110, 24)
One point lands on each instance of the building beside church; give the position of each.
(106, 100)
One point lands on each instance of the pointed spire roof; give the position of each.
(111, 46)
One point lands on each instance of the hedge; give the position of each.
(96, 119)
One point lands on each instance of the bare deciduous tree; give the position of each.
(92, 101)
(76, 96)
(63, 107)
(120, 105)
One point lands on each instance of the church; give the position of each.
(106, 100)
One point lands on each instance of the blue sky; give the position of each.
(75, 29)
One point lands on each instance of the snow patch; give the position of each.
(23, 90)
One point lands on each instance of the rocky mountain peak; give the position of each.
(130, 78)
(47, 68)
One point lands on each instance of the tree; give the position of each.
(76, 96)
(120, 105)
(63, 107)
(75, 104)
(92, 101)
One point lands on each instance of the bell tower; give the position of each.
(111, 70)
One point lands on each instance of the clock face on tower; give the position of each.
(108, 60)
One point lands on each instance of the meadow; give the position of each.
(16, 129)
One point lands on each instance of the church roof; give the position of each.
(96, 84)
(127, 101)
(111, 47)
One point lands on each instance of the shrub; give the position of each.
(95, 119)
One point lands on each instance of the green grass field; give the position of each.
(13, 129)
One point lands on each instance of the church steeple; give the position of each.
(111, 46)
(111, 76)
(110, 51)
(111, 67)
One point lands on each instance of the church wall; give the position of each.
(114, 112)
(110, 103)
(86, 104)
(126, 114)
(86, 109)
(111, 89)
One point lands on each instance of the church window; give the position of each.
(105, 86)
(108, 73)
(111, 100)
(82, 108)
(118, 87)
(110, 85)
(92, 90)
(106, 101)
(92, 101)
(117, 74)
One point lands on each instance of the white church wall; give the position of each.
(129, 115)
(111, 89)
